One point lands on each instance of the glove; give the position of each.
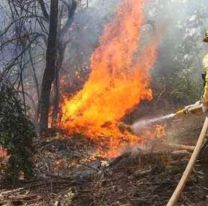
(204, 106)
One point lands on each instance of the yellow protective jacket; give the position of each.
(205, 67)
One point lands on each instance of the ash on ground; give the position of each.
(66, 174)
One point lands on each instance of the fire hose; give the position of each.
(175, 196)
(194, 108)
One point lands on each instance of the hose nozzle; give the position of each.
(181, 112)
(190, 109)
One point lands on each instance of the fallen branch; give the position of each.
(182, 147)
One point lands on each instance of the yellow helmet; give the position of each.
(206, 37)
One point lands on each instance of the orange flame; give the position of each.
(119, 78)
(3, 153)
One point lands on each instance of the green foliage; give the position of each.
(16, 134)
(187, 90)
(177, 87)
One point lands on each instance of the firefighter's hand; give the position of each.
(205, 107)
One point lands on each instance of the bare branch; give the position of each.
(14, 61)
(71, 10)
(43, 8)
(24, 36)
(16, 20)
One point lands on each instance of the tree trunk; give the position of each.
(62, 42)
(57, 88)
(49, 72)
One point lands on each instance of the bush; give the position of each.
(16, 134)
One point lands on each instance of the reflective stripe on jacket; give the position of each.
(205, 67)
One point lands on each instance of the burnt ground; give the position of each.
(68, 174)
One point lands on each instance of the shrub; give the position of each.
(16, 134)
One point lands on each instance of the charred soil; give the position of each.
(67, 173)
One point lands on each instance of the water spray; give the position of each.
(142, 124)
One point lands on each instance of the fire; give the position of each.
(160, 131)
(156, 132)
(3, 154)
(119, 79)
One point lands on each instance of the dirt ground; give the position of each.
(67, 174)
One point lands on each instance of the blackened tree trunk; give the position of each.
(62, 41)
(49, 72)
(55, 112)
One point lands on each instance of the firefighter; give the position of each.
(205, 78)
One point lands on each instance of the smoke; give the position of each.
(87, 28)
(170, 16)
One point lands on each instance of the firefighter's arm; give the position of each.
(205, 95)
